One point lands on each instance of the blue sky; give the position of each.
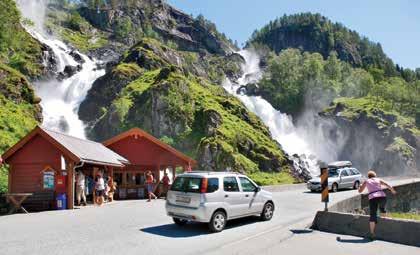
(395, 24)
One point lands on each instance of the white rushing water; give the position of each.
(280, 124)
(60, 99)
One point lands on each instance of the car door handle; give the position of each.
(226, 195)
(246, 195)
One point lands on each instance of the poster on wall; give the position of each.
(48, 180)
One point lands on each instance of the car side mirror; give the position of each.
(257, 189)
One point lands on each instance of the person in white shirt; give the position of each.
(80, 188)
(99, 189)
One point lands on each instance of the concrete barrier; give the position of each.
(398, 231)
(346, 217)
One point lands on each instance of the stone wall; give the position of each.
(407, 199)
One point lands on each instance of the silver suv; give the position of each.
(215, 198)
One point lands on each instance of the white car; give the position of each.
(215, 198)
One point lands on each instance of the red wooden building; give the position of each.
(144, 152)
(46, 161)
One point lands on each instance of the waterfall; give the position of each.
(61, 98)
(280, 124)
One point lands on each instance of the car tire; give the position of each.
(217, 222)
(267, 212)
(334, 187)
(179, 222)
(356, 185)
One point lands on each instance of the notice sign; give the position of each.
(48, 180)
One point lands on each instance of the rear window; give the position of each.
(187, 184)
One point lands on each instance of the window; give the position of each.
(344, 173)
(212, 185)
(187, 184)
(140, 179)
(131, 179)
(354, 171)
(118, 178)
(247, 185)
(230, 184)
(332, 172)
(48, 179)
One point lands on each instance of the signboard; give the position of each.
(48, 180)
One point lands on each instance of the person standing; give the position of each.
(80, 188)
(165, 181)
(149, 185)
(99, 189)
(377, 199)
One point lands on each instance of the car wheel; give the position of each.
(217, 222)
(356, 185)
(267, 212)
(179, 222)
(334, 187)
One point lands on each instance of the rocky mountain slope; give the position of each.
(167, 83)
(21, 58)
(313, 65)
(385, 141)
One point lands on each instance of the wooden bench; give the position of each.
(40, 201)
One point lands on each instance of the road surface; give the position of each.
(138, 227)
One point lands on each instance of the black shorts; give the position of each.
(99, 193)
(374, 203)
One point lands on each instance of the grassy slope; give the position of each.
(17, 48)
(17, 112)
(354, 107)
(406, 216)
(188, 98)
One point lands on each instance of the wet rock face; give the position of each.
(388, 149)
(77, 57)
(49, 61)
(68, 72)
(213, 120)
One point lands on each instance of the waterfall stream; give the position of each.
(280, 124)
(61, 97)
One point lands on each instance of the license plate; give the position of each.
(181, 199)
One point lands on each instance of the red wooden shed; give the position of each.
(45, 161)
(144, 152)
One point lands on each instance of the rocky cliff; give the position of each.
(384, 141)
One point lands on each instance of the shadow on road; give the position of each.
(353, 240)
(193, 229)
(301, 231)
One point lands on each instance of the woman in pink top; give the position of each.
(377, 198)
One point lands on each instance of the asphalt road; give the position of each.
(138, 227)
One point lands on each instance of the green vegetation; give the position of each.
(294, 78)
(17, 112)
(66, 22)
(380, 112)
(127, 70)
(17, 48)
(316, 33)
(406, 216)
(262, 178)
